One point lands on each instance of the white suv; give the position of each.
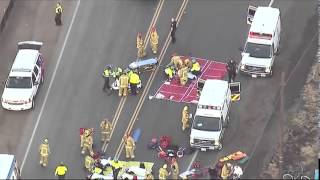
(26, 74)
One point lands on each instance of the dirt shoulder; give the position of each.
(300, 135)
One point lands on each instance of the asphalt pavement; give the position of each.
(104, 32)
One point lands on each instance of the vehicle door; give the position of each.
(36, 77)
(40, 65)
(250, 14)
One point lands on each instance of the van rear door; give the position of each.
(235, 89)
(250, 14)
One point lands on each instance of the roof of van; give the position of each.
(213, 92)
(265, 20)
(6, 161)
(24, 61)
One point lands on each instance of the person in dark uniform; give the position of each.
(232, 70)
(173, 29)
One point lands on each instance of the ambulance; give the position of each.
(263, 41)
(212, 115)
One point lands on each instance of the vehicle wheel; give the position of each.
(220, 147)
(32, 106)
(42, 79)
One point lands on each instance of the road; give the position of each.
(104, 32)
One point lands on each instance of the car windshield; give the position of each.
(19, 82)
(206, 123)
(258, 50)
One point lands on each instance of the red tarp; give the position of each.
(173, 91)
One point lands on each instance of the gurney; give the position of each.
(144, 65)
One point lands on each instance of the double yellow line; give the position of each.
(123, 99)
(148, 85)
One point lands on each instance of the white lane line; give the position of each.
(271, 2)
(193, 158)
(51, 82)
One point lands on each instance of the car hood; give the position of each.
(16, 94)
(256, 62)
(205, 135)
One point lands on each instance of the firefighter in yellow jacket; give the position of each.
(129, 146)
(183, 75)
(154, 40)
(163, 172)
(140, 46)
(185, 118)
(174, 169)
(44, 150)
(106, 128)
(124, 84)
(87, 141)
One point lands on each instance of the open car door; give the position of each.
(250, 14)
(235, 91)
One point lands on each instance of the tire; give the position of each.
(33, 104)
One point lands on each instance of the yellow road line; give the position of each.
(140, 103)
(123, 100)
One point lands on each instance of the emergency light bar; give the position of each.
(209, 107)
(260, 35)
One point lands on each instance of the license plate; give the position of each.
(203, 149)
(254, 75)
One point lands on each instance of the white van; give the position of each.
(9, 167)
(212, 115)
(263, 41)
(26, 74)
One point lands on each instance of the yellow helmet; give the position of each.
(46, 141)
(185, 108)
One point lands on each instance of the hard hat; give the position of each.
(172, 19)
(231, 60)
(193, 60)
(46, 141)
(61, 163)
(165, 166)
(185, 108)
(153, 29)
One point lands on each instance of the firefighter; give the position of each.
(226, 171)
(87, 141)
(116, 72)
(185, 118)
(106, 75)
(134, 82)
(149, 176)
(232, 70)
(44, 150)
(163, 172)
(174, 169)
(154, 40)
(124, 83)
(129, 146)
(183, 75)
(170, 72)
(195, 69)
(140, 46)
(177, 62)
(59, 10)
(61, 170)
(106, 128)
(89, 163)
(187, 63)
